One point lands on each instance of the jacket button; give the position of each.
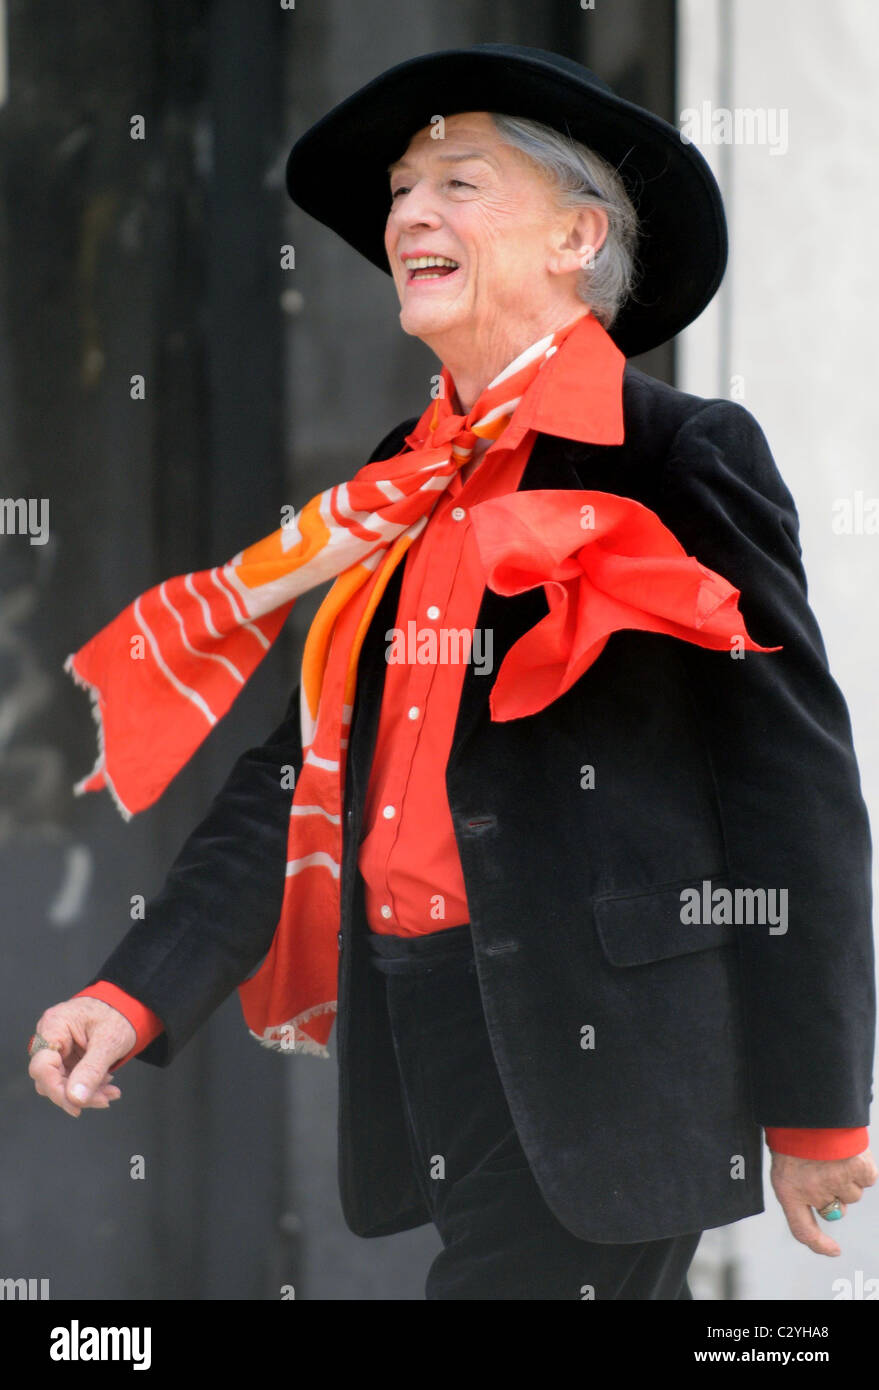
(339, 939)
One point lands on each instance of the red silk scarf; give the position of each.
(166, 670)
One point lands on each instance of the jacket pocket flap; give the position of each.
(644, 927)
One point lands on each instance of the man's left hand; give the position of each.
(803, 1183)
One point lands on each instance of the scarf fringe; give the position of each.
(100, 766)
(288, 1037)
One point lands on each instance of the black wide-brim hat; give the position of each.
(337, 171)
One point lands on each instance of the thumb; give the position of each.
(104, 1048)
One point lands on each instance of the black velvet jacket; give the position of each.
(738, 773)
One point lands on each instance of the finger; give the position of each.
(847, 1190)
(50, 1081)
(46, 1068)
(107, 1091)
(89, 1075)
(59, 1051)
(108, 1088)
(98, 1100)
(804, 1228)
(863, 1170)
(44, 1062)
(103, 1093)
(55, 1029)
(52, 1085)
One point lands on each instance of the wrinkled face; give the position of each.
(476, 202)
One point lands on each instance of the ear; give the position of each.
(579, 236)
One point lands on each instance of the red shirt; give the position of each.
(408, 855)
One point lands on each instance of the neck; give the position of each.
(472, 365)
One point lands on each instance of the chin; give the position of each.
(423, 319)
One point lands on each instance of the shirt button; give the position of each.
(386, 911)
(458, 513)
(433, 611)
(389, 812)
(414, 712)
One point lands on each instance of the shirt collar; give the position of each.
(577, 394)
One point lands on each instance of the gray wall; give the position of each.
(791, 336)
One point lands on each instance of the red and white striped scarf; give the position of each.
(166, 670)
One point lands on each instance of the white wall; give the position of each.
(791, 334)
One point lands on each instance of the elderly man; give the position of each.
(598, 901)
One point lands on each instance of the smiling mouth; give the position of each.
(429, 268)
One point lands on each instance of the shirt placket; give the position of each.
(443, 540)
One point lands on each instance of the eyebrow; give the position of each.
(446, 159)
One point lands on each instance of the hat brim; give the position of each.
(337, 171)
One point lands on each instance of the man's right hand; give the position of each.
(90, 1037)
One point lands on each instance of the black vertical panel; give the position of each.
(179, 467)
(121, 257)
(244, 1160)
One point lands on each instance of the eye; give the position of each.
(457, 183)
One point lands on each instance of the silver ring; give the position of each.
(832, 1211)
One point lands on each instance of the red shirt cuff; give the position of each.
(145, 1023)
(818, 1143)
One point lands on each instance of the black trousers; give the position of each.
(500, 1239)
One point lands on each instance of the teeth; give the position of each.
(422, 262)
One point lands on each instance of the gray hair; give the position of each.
(585, 179)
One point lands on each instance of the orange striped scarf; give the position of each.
(168, 667)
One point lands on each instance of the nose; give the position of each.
(416, 208)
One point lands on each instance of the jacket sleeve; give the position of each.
(215, 916)
(793, 816)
